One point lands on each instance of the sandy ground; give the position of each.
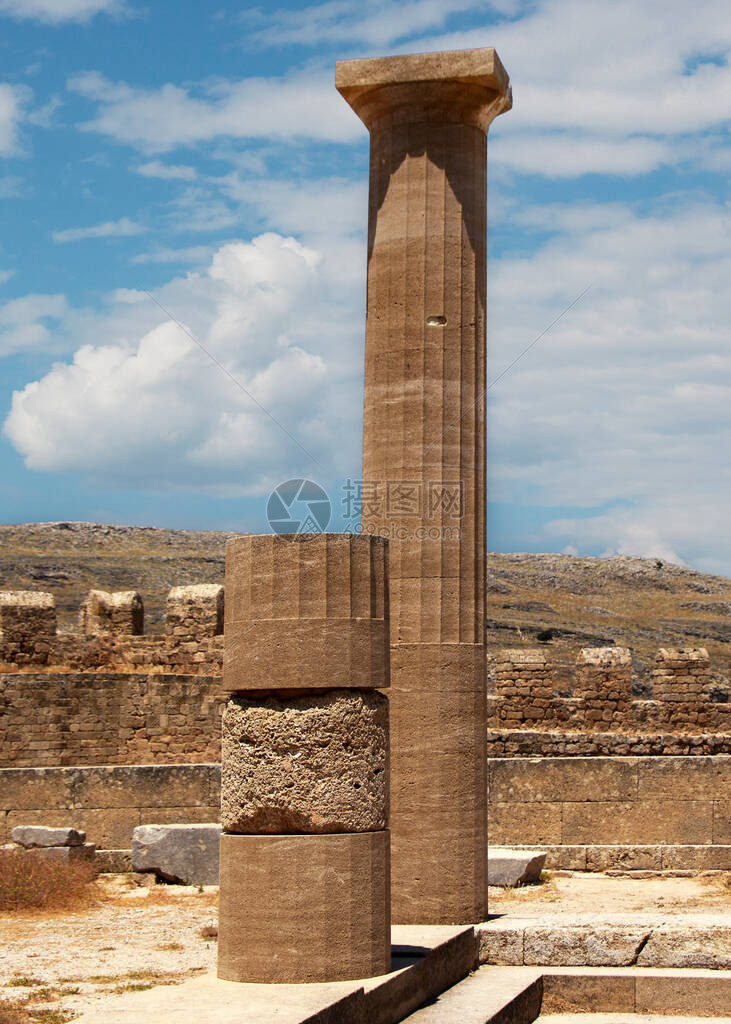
(134, 937)
(604, 898)
(137, 937)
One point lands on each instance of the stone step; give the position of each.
(647, 940)
(626, 1018)
(492, 995)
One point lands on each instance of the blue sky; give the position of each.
(175, 163)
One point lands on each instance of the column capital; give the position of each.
(463, 86)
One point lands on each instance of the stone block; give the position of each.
(523, 824)
(145, 785)
(26, 616)
(195, 610)
(583, 945)
(508, 867)
(566, 858)
(186, 854)
(687, 946)
(604, 657)
(43, 835)
(687, 778)
(721, 822)
(32, 788)
(587, 992)
(316, 763)
(306, 612)
(114, 862)
(703, 994)
(120, 613)
(67, 854)
(629, 858)
(555, 779)
(304, 908)
(500, 944)
(645, 822)
(696, 858)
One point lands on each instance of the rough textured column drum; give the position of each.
(424, 454)
(305, 854)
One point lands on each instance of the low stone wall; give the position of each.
(110, 636)
(91, 718)
(529, 691)
(596, 801)
(109, 802)
(649, 813)
(541, 743)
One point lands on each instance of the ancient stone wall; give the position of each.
(536, 706)
(110, 636)
(638, 813)
(676, 809)
(530, 692)
(97, 718)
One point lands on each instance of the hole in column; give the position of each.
(436, 321)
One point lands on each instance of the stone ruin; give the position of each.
(304, 762)
(572, 761)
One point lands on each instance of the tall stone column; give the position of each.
(424, 454)
(304, 873)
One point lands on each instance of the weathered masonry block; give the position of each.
(117, 614)
(195, 611)
(603, 681)
(681, 675)
(305, 850)
(27, 626)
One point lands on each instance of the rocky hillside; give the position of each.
(578, 602)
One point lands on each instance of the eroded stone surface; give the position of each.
(178, 853)
(312, 764)
(43, 836)
(513, 867)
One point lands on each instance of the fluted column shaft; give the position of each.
(424, 456)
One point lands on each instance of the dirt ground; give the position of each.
(137, 937)
(610, 898)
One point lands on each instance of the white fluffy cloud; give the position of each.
(609, 88)
(30, 323)
(623, 405)
(13, 99)
(122, 228)
(57, 11)
(379, 23)
(168, 172)
(302, 105)
(148, 408)
(663, 79)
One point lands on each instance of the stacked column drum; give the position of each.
(305, 851)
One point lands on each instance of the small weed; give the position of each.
(171, 947)
(132, 986)
(545, 876)
(23, 981)
(52, 1016)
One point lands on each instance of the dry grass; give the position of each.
(28, 882)
(20, 1011)
(13, 1012)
